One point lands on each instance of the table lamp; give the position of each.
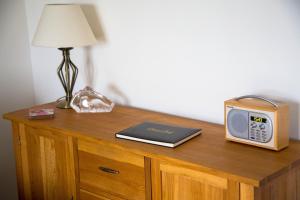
(64, 26)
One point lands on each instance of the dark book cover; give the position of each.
(159, 134)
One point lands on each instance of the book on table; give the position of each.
(159, 134)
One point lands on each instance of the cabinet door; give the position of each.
(171, 182)
(45, 164)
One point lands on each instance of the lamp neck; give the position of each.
(66, 51)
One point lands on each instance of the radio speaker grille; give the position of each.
(237, 121)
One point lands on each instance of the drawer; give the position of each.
(110, 171)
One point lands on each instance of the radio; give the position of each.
(258, 121)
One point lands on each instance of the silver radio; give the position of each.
(257, 121)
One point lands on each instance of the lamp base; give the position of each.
(67, 73)
(63, 103)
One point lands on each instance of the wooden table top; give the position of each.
(209, 151)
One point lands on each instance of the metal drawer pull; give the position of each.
(108, 170)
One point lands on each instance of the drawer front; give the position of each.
(105, 171)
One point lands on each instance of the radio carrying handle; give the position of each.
(258, 97)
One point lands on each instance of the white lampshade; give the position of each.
(63, 25)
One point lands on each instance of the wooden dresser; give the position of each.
(76, 156)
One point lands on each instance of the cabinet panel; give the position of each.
(178, 183)
(176, 186)
(47, 162)
(283, 187)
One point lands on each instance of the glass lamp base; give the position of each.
(63, 104)
(89, 101)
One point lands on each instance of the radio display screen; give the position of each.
(258, 119)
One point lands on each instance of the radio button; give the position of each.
(262, 126)
(253, 125)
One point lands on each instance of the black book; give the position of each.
(159, 134)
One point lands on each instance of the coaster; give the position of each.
(44, 113)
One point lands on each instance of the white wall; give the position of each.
(183, 57)
(16, 85)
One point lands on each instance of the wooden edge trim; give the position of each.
(156, 180)
(148, 187)
(18, 160)
(73, 167)
(24, 160)
(233, 192)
